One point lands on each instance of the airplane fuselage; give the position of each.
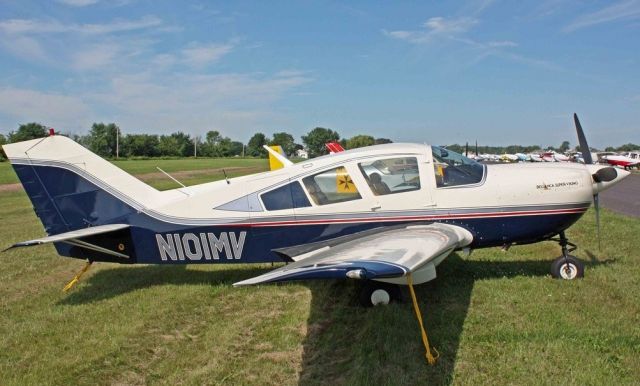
(244, 220)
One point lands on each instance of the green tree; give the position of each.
(286, 141)
(28, 131)
(236, 148)
(209, 147)
(565, 146)
(360, 141)
(254, 147)
(139, 145)
(629, 147)
(316, 139)
(176, 145)
(3, 141)
(380, 141)
(102, 139)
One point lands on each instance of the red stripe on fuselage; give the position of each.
(412, 218)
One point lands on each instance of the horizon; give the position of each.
(501, 73)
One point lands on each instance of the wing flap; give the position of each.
(380, 255)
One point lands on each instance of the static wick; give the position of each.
(225, 177)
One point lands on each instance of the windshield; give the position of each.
(453, 169)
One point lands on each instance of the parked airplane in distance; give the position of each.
(626, 160)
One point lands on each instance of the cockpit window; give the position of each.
(453, 169)
(285, 197)
(331, 186)
(391, 175)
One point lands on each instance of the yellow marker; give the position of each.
(274, 163)
(76, 279)
(344, 184)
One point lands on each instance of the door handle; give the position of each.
(376, 206)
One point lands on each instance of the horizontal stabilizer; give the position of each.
(77, 234)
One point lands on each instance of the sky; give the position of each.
(499, 72)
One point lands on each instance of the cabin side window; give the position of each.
(392, 175)
(288, 196)
(331, 186)
(453, 169)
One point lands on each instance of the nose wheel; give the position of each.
(374, 293)
(567, 267)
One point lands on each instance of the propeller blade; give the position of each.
(584, 146)
(466, 150)
(596, 206)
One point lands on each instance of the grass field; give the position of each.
(495, 317)
(189, 171)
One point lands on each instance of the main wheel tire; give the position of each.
(567, 268)
(375, 293)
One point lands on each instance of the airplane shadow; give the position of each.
(348, 344)
(109, 283)
(345, 341)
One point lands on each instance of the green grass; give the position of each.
(189, 171)
(7, 175)
(495, 318)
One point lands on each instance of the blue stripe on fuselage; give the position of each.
(66, 201)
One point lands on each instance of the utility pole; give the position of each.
(117, 142)
(195, 147)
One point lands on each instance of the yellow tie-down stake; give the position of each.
(76, 278)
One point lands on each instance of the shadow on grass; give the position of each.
(109, 283)
(346, 344)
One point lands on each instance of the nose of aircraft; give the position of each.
(605, 177)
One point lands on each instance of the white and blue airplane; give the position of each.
(383, 214)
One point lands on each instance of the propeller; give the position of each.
(586, 156)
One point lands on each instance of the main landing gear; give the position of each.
(375, 293)
(567, 267)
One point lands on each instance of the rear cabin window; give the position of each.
(285, 197)
(331, 186)
(453, 169)
(392, 175)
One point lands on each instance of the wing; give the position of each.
(382, 254)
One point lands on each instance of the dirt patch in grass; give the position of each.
(10, 187)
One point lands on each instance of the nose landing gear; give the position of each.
(375, 293)
(567, 267)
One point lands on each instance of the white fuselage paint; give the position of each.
(208, 246)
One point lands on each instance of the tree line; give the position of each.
(107, 140)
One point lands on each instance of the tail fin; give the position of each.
(277, 158)
(72, 188)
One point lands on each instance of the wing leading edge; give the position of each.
(386, 255)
